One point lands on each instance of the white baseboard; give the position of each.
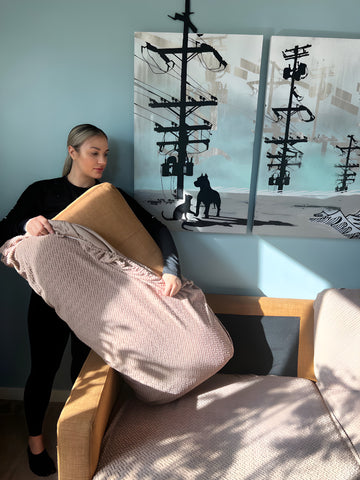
(18, 394)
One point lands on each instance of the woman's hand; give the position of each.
(38, 226)
(172, 284)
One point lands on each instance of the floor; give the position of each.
(13, 440)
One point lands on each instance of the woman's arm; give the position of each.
(14, 222)
(163, 238)
(38, 226)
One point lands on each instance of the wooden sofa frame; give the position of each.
(83, 421)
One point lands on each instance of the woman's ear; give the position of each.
(71, 151)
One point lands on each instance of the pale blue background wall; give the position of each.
(66, 62)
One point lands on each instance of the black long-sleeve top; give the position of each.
(50, 197)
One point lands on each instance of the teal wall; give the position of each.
(66, 62)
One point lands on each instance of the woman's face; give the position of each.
(91, 159)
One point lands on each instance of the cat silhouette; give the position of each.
(181, 210)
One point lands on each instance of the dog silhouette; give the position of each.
(206, 196)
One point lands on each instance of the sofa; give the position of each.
(286, 406)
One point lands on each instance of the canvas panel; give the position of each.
(308, 181)
(222, 80)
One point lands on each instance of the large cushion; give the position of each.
(103, 209)
(163, 346)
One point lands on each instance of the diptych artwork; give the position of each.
(309, 180)
(195, 101)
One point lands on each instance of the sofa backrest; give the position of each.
(337, 338)
(337, 359)
(270, 335)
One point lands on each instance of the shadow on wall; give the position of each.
(227, 264)
(14, 345)
(120, 167)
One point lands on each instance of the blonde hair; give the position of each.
(77, 136)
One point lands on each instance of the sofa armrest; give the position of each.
(83, 420)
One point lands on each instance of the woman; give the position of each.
(48, 334)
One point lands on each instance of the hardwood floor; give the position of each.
(13, 440)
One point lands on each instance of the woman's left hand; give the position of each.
(172, 284)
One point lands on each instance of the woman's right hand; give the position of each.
(38, 226)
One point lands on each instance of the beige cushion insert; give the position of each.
(103, 209)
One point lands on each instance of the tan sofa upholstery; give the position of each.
(246, 426)
(83, 420)
(104, 210)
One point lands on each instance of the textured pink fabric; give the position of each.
(232, 427)
(337, 356)
(163, 346)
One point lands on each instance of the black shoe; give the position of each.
(41, 464)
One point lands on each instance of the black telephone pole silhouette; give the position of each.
(183, 107)
(347, 175)
(288, 155)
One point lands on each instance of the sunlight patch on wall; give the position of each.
(280, 273)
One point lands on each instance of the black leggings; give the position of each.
(48, 336)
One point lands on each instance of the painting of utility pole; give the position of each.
(307, 179)
(195, 100)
